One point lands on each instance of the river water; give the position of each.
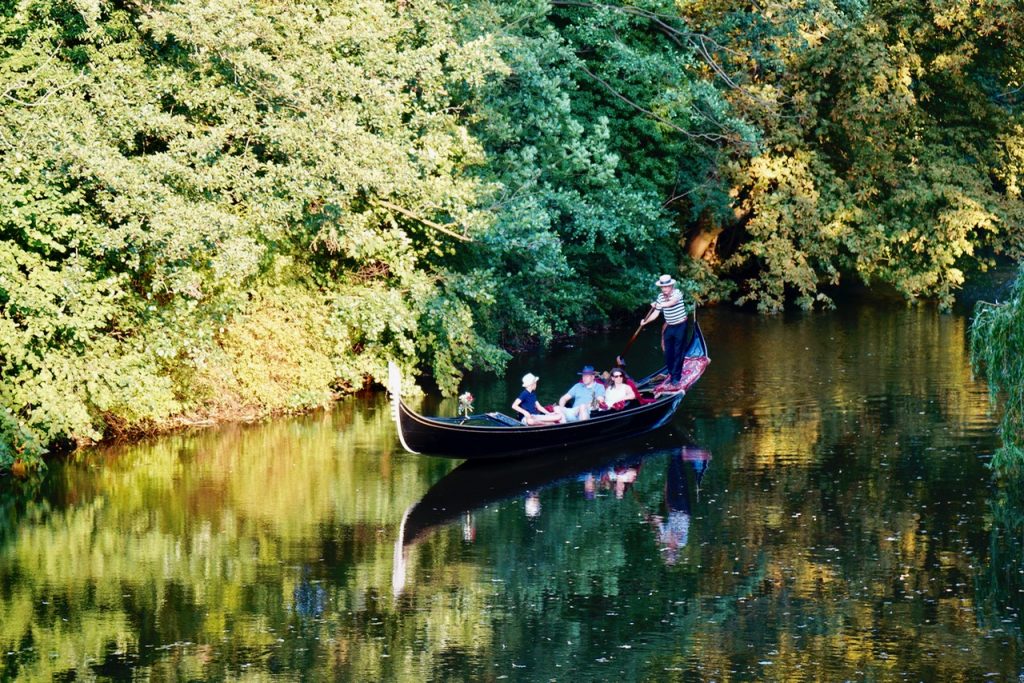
(820, 509)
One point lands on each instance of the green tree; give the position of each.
(227, 207)
(891, 145)
(597, 122)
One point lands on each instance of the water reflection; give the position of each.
(672, 522)
(845, 529)
(309, 599)
(1000, 582)
(473, 486)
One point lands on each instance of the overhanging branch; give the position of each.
(420, 219)
(710, 137)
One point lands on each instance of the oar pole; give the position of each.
(635, 334)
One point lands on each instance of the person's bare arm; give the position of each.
(517, 406)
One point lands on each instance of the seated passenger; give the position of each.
(585, 396)
(640, 399)
(530, 408)
(619, 393)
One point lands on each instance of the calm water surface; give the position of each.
(820, 509)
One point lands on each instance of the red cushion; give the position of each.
(642, 400)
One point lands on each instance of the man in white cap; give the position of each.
(674, 335)
(530, 408)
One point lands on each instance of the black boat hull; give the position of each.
(428, 436)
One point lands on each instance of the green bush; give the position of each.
(997, 351)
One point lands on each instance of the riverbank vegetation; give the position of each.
(227, 209)
(997, 351)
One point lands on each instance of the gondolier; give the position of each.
(675, 335)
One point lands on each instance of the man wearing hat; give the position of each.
(674, 335)
(527, 405)
(584, 395)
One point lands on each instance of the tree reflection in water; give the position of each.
(845, 530)
(1001, 580)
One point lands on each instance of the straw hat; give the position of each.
(665, 281)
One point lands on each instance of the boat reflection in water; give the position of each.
(474, 485)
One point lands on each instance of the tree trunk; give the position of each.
(703, 238)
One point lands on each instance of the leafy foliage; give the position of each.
(204, 202)
(997, 350)
(888, 154)
(585, 137)
(224, 209)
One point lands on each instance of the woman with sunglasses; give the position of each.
(619, 392)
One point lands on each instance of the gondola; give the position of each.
(496, 435)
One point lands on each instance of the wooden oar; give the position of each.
(635, 335)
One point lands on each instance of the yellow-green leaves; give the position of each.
(198, 206)
(893, 146)
(190, 189)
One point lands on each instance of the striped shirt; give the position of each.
(673, 314)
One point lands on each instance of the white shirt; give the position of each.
(618, 392)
